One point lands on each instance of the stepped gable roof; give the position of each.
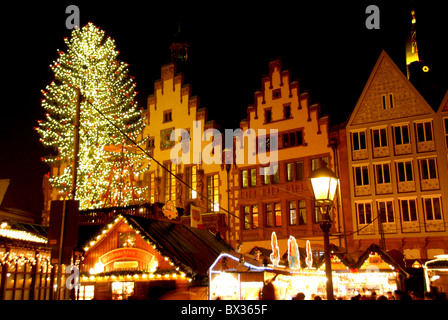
(386, 78)
(194, 249)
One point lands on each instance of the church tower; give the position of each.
(416, 69)
(179, 48)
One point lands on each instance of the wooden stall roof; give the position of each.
(196, 249)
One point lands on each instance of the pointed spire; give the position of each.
(179, 47)
(411, 44)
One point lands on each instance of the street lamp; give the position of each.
(324, 183)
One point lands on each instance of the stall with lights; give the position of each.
(237, 276)
(132, 257)
(373, 271)
(25, 269)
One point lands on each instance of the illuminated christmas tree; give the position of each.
(109, 165)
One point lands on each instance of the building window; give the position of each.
(401, 134)
(170, 182)
(213, 193)
(302, 212)
(271, 174)
(424, 131)
(191, 175)
(361, 176)
(445, 122)
(267, 115)
(246, 217)
(315, 163)
(297, 212)
(126, 240)
(379, 137)
(364, 212)
(292, 139)
(386, 211)
(382, 173)
(290, 171)
(359, 140)
(250, 217)
(255, 216)
(152, 187)
(408, 210)
(433, 211)
(404, 171)
(273, 215)
(276, 94)
(292, 213)
(287, 112)
(167, 116)
(249, 178)
(428, 168)
(122, 290)
(387, 101)
(299, 170)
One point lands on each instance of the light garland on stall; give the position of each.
(22, 235)
(156, 275)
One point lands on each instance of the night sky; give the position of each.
(325, 45)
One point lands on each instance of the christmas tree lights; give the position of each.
(108, 165)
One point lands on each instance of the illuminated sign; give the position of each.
(126, 253)
(225, 286)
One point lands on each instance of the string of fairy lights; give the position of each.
(91, 64)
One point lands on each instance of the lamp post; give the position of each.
(324, 183)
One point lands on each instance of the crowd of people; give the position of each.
(268, 293)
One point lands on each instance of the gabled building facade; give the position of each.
(190, 157)
(277, 196)
(397, 167)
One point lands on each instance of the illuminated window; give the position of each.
(278, 214)
(213, 193)
(86, 292)
(292, 213)
(273, 214)
(249, 178)
(152, 187)
(290, 171)
(250, 217)
(126, 240)
(170, 182)
(122, 290)
(191, 173)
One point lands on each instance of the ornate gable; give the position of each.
(388, 95)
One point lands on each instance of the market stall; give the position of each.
(134, 257)
(237, 276)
